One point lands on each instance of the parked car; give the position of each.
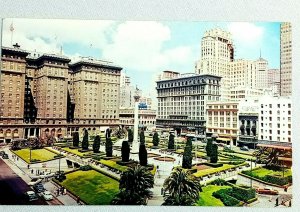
(47, 195)
(2, 153)
(266, 191)
(5, 156)
(39, 187)
(34, 181)
(244, 148)
(31, 196)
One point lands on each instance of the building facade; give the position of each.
(275, 119)
(217, 51)
(126, 92)
(248, 123)
(147, 118)
(222, 120)
(285, 59)
(44, 95)
(182, 101)
(274, 81)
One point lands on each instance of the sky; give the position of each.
(143, 48)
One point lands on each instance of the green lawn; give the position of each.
(76, 152)
(261, 172)
(36, 154)
(240, 155)
(92, 187)
(206, 198)
(113, 164)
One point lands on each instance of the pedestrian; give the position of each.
(57, 191)
(65, 191)
(31, 171)
(28, 166)
(78, 200)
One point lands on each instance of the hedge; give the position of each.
(214, 165)
(244, 194)
(223, 195)
(271, 178)
(252, 200)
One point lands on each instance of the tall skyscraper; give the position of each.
(216, 52)
(285, 59)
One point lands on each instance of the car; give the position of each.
(39, 187)
(31, 196)
(266, 191)
(2, 153)
(5, 156)
(47, 195)
(244, 148)
(34, 181)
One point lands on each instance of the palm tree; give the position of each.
(134, 186)
(182, 187)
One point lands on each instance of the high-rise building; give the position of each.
(217, 51)
(261, 73)
(44, 95)
(285, 59)
(275, 116)
(182, 101)
(126, 92)
(274, 81)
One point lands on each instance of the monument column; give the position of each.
(136, 117)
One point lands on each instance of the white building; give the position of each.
(216, 52)
(275, 119)
(127, 92)
(147, 118)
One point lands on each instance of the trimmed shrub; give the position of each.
(244, 194)
(85, 140)
(143, 157)
(130, 135)
(85, 168)
(252, 200)
(125, 151)
(142, 138)
(108, 147)
(76, 139)
(96, 158)
(155, 139)
(96, 144)
(219, 182)
(171, 141)
(214, 153)
(208, 147)
(223, 195)
(187, 155)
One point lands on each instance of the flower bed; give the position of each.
(166, 159)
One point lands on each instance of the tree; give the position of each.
(155, 139)
(130, 135)
(182, 187)
(142, 137)
(125, 151)
(108, 144)
(134, 187)
(171, 141)
(85, 140)
(208, 147)
(187, 155)
(214, 153)
(96, 144)
(75, 139)
(143, 155)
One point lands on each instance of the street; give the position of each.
(13, 188)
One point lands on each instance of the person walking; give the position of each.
(78, 200)
(65, 191)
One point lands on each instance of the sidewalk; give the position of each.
(21, 169)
